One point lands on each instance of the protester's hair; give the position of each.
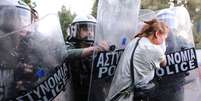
(151, 27)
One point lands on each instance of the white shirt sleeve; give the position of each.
(158, 56)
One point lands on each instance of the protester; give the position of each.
(147, 57)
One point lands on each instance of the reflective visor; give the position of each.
(85, 31)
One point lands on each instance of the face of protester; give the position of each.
(158, 38)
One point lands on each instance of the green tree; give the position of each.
(30, 3)
(66, 18)
(94, 9)
(27, 1)
(154, 4)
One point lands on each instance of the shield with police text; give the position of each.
(116, 24)
(32, 58)
(179, 79)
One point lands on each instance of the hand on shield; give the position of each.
(102, 46)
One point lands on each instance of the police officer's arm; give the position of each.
(71, 52)
(103, 46)
(80, 52)
(85, 52)
(88, 51)
(75, 53)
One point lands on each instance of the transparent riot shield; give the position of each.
(116, 24)
(31, 61)
(179, 79)
(146, 14)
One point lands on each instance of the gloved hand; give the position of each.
(102, 46)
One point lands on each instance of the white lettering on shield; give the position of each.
(180, 57)
(49, 89)
(178, 62)
(107, 63)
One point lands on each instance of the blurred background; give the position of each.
(68, 9)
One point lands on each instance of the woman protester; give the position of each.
(137, 65)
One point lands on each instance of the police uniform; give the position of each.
(81, 70)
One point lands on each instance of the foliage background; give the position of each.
(65, 17)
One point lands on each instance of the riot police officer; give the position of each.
(171, 87)
(81, 40)
(14, 46)
(26, 58)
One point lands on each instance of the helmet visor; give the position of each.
(85, 31)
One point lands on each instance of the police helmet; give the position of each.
(82, 23)
(14, 14)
